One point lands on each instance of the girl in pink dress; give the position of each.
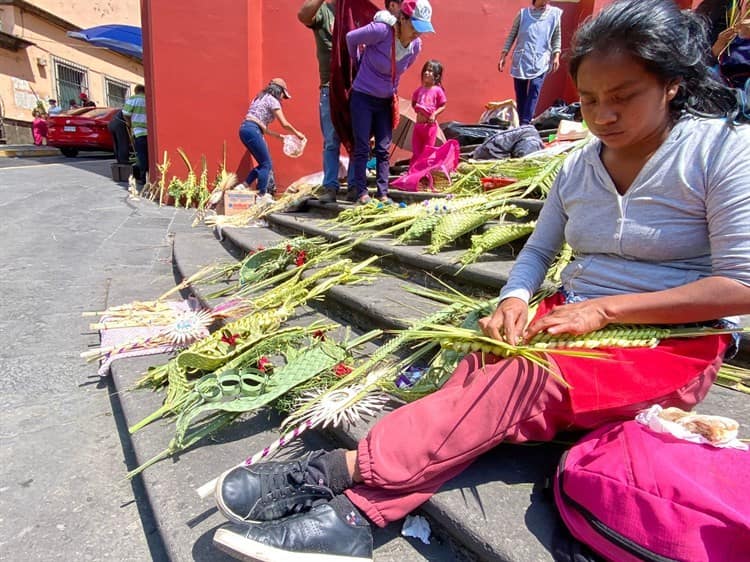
(428, 101)
(39, 127)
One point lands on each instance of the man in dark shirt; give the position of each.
(318, 15)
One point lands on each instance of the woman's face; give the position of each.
(407, 32)
(622, 103)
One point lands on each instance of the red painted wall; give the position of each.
(200, 63)
(205, 61)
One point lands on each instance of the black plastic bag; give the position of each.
(550, 118)
(468, 134)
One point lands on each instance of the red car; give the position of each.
(84, 128)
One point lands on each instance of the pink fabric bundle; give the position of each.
(442, 158)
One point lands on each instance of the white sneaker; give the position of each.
(266, 199)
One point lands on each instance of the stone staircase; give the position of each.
(498, 509)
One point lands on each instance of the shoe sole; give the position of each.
(249, 550)
(229, 514)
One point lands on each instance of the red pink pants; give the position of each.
(410, 453)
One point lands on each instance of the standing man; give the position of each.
(120, 138)
(134, 112)
(319, 15)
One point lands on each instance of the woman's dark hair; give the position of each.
(273, 89)
(670, 43)
(437, 71)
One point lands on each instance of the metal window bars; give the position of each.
(71, 80)
(116, 92)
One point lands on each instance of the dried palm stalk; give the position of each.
(258, 212)
(734, 377)
(564, 257)
(453, 225)
(495, 237)
(457, 308)
(186, 327)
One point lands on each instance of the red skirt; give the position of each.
(632, 375)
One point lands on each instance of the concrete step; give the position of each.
(486, 276)
(496, 510)
(499, 508)
(185, 522)
(408, 197)
(27, 150)
(460, 510)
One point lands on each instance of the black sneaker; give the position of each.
(328, 197)
(271, 490)
(351, 195)
(318, 535)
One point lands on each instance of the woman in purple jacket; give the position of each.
(377, 79)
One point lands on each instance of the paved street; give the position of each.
(71, 242)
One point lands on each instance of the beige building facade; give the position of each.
(38, 61)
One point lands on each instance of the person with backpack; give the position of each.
(656, 211)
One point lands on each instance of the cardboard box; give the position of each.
(121, 172)
(237, 201)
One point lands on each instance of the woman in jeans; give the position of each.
(264, 108)
(371, 98)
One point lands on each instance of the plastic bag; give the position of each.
(293, 147)
(550, 118)
(467, 134)
(497, 112)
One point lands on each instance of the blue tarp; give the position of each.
(125, 39)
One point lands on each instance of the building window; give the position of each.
(117, 92)
(71, 80)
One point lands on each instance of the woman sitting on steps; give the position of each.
(656, 209)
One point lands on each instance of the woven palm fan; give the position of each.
(189, 326)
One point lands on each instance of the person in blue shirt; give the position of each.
(536, 33)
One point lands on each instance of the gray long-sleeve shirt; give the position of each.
(685, 217)
(555, 44)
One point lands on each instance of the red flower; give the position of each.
(289, 248)
(263, 364)
(229, 339)
(341, 370)
(301, 258)
(319, 335)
